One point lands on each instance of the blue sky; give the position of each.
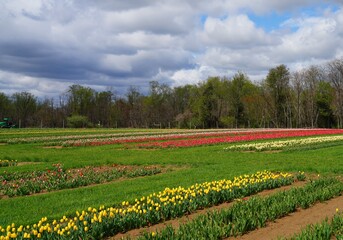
(271, 21)
(48, 45)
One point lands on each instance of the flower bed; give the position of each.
(155, 137)
(8, 163)
(172, 202)
(245, 216)
(240, 138)
(70, 138)
(18, 184)
(277, 145)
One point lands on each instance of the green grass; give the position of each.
(198, 164)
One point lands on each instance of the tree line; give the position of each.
(311, 97)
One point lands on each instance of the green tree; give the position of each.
(239, 90)
(324, 101)
(78, 121)
(185, 105)
(81, 101)
(253, 105)
(277, 83)
(159, 105)
(211, 102)
(297, 89)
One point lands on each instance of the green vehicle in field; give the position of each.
(7, 123)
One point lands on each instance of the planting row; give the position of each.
(98, 136)
(8, 163)
(71, 137)
(245, 216)
(95, 223)
(240, 138)
(172, 138)
(157, 137)
(277, 145)
(324, 230)
(25, 183)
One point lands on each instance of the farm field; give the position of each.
(98, 183)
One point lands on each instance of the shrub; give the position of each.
(78, 121)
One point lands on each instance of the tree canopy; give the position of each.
(311, 97)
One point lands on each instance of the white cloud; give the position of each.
(117, 63)
(234, 32)
(315, 38)
(237, 60)
(16, 7)
(121, 43)
(13, 82)
(144, 40)
(194, 76)
(232, 47)
(157, 18)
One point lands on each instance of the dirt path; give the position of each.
(295, 222)
(176, 222)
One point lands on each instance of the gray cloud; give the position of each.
(46, 45)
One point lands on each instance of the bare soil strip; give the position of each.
(53, 147)
(27, 163)
(176, 222)
(295, 222)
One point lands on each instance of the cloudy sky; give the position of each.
(47, 45)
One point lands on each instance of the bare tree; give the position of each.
(25, 105)
(335, 76)
(312, 77)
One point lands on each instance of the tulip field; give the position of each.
(169, 183)
(282, 144)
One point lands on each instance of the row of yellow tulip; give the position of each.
(7, 163)
(280, 144)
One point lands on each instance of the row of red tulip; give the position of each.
(161, 137)
(251, 136)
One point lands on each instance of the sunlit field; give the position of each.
(97, 183)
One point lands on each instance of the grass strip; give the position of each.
(245, 216)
